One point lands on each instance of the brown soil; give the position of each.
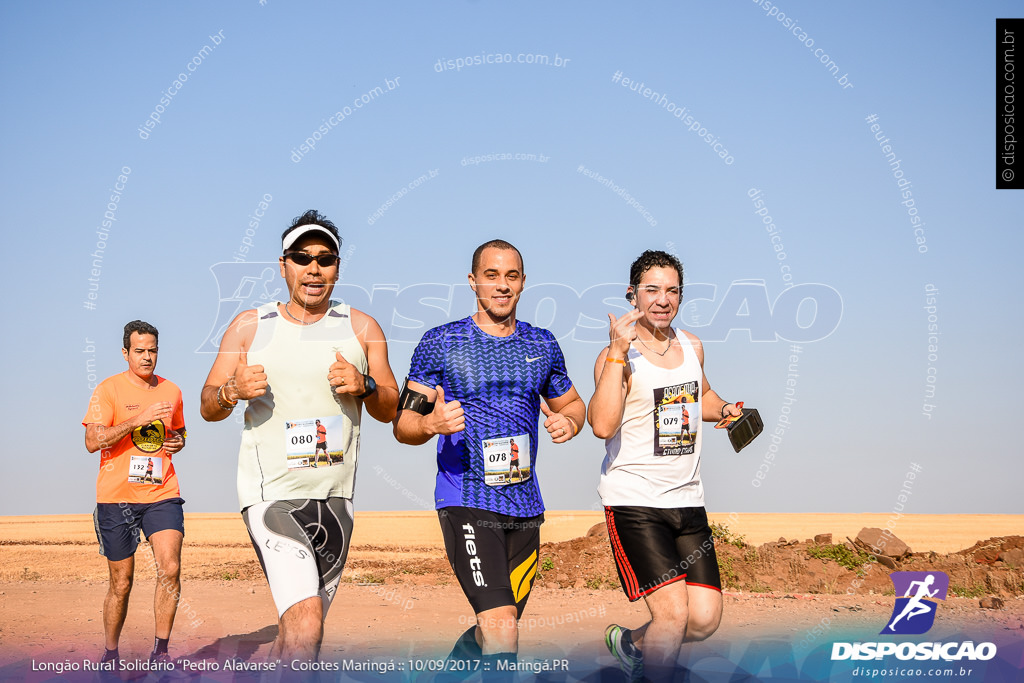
(217, 548)
(789, 567)
(398, 595)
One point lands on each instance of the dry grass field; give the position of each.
(398, 597)
(43, 547)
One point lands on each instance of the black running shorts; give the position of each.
(654, 547)
(494, 556)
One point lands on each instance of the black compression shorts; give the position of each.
(654, 547)
(494, 556)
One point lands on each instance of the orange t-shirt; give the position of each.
(125, 475)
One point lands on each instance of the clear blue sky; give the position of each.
(79, 81)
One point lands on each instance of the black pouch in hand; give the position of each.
(745, 429)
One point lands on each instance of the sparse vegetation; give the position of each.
(765, 559)
(796, 568)
(841, 555)
(730, 579)
(228, 576)
(722, 532)
(827, 587)
(975, 590)
(547, 564)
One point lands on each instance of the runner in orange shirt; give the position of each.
(513, 463)
(135, 420)
(321, 445)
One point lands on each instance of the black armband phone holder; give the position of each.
(410, 399)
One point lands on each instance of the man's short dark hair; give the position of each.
(140, 327)
(497, 244)
(654, 259)
(312, 217)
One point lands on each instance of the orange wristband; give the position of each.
(575, 427)
(614, 360)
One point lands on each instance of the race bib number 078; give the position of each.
(506, 460)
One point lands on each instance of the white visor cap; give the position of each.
(293, 236)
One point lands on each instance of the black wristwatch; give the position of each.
(371, 387)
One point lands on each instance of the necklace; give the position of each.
(660, 353)
(301, 322)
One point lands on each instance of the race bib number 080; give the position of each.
(314, 442)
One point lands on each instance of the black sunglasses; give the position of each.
(301, 258)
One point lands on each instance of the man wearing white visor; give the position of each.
(306, 368)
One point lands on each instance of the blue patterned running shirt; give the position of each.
(499, 382)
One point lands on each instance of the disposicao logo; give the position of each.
(914, 613)
(917, 594)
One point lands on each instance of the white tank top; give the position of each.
(279, 458)
(654, 458)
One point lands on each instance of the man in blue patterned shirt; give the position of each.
(477, 383)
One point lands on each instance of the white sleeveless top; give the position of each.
(654, 458)
(278, 458)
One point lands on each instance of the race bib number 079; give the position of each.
(676, 418)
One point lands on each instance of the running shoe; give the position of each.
(164, 669)
(111, 656)
(631, 664)
(110, 671)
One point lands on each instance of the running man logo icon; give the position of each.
(240, 286)
(914, 612)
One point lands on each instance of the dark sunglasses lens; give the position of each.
(301, 258)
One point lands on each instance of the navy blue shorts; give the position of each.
(118, 524)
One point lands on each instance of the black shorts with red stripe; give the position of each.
(654, 547)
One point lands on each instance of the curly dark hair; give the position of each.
(654, 259)
(142, 328)
(313, 217)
